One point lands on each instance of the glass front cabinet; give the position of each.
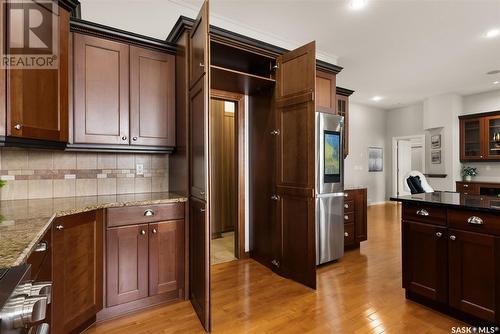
(480, 137)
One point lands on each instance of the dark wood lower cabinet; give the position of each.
(425, 258)
(474, 273)
(77, 271)
(126, 264)
(355, 217)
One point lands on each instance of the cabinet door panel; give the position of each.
(326, 92)
(471, 138)
(198, 105)
(295, 115)
(126, 264)
(343, 110)
(424, 260)
(473, 270)
(77, 270)
(38, 99)
(199, 47)
(101, 91)
(166, 256)
(152, 98)
(492, 137)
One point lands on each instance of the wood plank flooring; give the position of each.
(359, 294)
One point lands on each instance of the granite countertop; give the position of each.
(24, 222)
(452, 199)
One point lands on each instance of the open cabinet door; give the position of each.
(199, 213)
(295, 163)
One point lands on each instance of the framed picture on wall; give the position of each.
(436, 157)
(436, 141)
(375, 159)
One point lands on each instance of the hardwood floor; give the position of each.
(359, 294)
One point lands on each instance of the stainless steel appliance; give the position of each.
(23, 303)
(329, 187)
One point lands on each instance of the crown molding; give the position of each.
(344, 91)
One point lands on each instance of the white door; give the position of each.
(404, 165)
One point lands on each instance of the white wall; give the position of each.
(367, 126)
(483, 102)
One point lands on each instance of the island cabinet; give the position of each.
(34, 109)
(480, 137)
(451, 257)
(144, 257)
(77, 271)
(124, 92)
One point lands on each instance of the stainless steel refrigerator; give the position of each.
(329, 187)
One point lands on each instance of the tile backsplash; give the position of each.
(46, 174)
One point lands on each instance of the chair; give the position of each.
(416, 183)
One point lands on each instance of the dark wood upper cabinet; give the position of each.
(425, 260)
(77, 271)
(326, 97)
(295, 134)
(37, 100)
(199, 49)
(126, 264)
(480, 137)
(342, 102)
(101, 91)
(152, 97)
(474, 270)
(166, 256)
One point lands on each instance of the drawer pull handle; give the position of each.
(423, 212)
(42, 246)
(439, 234)
(59, 227)
(453, 238)
(346, 217)
(149, 213)
(474, 220)
(142, 232)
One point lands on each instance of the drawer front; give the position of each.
(348, 217)
(132, 215)
(474, 221)
(348, 234)
(424, 213)
(467, 188)
(348, 206)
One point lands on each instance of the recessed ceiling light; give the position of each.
(358, 4)
(492, 33)
(496, 82)
(376, 98)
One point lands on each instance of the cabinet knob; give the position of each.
(202, 193)
(422, 212)
(42, 246)
(275, 197)
(346, 234)
(202, 210)
(439, 234)
(481, 156)
(18, 126)
(59, 227)
(346, 195)
(201, 65)
(154, 231)
(124, 137)
(474, 220)
(134, 138)
(346, 206)
(142, 232)
(275, 132)
(149, 213)
(452, 237)
(466, 186)
(346, 217)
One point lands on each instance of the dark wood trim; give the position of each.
(73, 6)
(240, 135)
(344, 91)
(102, 31)
(31, 143)
(186, 23)
(441, 176)
(117, 148)
(482, 114)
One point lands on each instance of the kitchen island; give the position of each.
(451, 254)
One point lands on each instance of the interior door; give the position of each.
(404, 166)
(295, 175)
(199, 230)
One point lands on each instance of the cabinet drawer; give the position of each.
(424, 213)
(348, 217)
(467, 188)
(144, 214)
(348, 234)
(474, 221)
(348, 206)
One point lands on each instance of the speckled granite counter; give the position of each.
(24, 222)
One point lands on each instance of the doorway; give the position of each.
(227, 176)
(408, 155)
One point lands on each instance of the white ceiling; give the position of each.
(401, 50)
